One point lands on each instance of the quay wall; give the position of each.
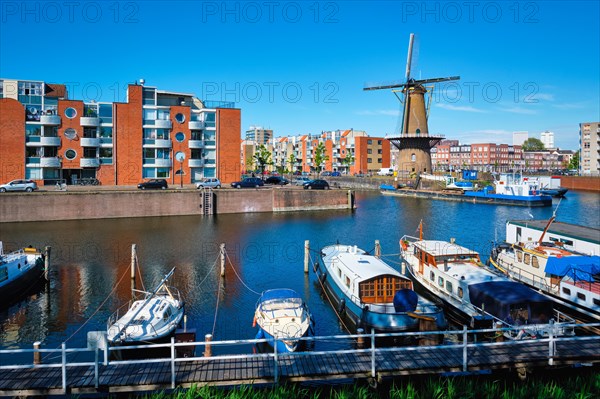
(588, 183)
(50, 206)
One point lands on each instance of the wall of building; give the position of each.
(228, 144)
(12, 140)
(588, 183)
(128, 138)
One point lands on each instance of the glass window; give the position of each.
(534, 262)
(526, 259)
(413, 157)
(519, 256)
(460, 292)
(440, 281)
(70, 154)
(105, 112)
(70, 133)
(432, 276)
(106, 152)
(347, 281)
(566, 291)
(581, 296)
(106, 131)
(70, 112)
(179, 136)
(448, 286)
(180, 118)
(162, 172)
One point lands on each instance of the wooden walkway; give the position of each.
(157, 374)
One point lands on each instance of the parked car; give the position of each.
(336, 174)
(209, 182)
(326, 173)
(19, 185)
(300, 181)
(278, 180)
(248, 182)
(154, 184)
(316, 185)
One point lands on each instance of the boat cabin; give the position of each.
(381, 289)
(440, 253)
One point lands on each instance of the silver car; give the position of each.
(300, 181)
(19, 185)
(209, 182)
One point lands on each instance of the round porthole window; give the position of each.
(70, 112)
(179, 136)
(70, 133)
(70, 154)
(180, 118)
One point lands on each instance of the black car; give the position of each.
(278, 180)
(248, 182)
(316, 185)
(154, 184)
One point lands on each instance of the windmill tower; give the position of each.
(414, 142)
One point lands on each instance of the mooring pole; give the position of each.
(47, 252)
(306, 255)
(133, 266)
(222, 251)
(207, 347)
(377, 249)
(37, 356)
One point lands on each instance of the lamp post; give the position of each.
(180, 156)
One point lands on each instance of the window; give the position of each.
(432, 276)
(70, 133)
(369, 142)
(379, 142)
(179, 136)
(581, 296)
(566, 291)
(460, 292)
(70, 154)
(535, 262)
(413, 157)
(347, 281)
(526, 259)
(369, 151)
(448, 286)
(180, 118)
(369, 160)
(596, 301)
(441, 281)
(70, 112)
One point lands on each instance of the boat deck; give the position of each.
(589, 234)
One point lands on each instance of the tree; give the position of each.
(348, 160)
(533, 144)
(262, 156)
(292, 161)
(320, 156)
(574, 162)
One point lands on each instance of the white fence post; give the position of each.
(551, 344)
(276, 371)
(172, 362)
(96, 377)
(373, 352)
(105, 349)
(465, 338)
(64, 367)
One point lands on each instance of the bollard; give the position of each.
(499, 335)
(360, 341)
(377, 249)
(306, 255)
(37, 356)
(207, 347)
(133, 260)
(47, 251)
(222, 250)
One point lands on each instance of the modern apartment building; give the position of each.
(45, 136)
(547, 138)
(259, 135)
(589, 148)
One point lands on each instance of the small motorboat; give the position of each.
(151, 319)
(281, 314)
(19, 271)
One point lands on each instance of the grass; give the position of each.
(558, 384)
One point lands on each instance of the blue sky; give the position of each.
(300, 66)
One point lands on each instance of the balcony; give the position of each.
(50, 162)
(195, 163)
(157, 143)
(50, 141)
(163, 124)
(32, 161)
(210, 143)
(196, 144)
(51, 120)
(90, 142)
(196, 125)
(89, 162)
(91, 121)
(106, 142)
(157, 162)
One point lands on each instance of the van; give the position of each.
(386, 172)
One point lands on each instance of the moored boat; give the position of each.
(572, 278)
(475, 296)
(373, 294)
(514, 189)
(281, 314)
(19, 271)
(151, 319)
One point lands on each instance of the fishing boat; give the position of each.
(372, 294)
(151, 319)
(513, 189)
(281, 314)
(19, 271)
(474, 295)
(553, 267)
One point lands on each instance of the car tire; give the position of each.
(238, 186)
(2, 190)
(143, 188)
(218, 186)
(257, 186)
(163, 188)
(29, 189)
(310, 187)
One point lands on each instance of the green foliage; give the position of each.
(348, 160)
(292, 161)
(262, 157)
(574, 162)
(533, 144)
(320, 156)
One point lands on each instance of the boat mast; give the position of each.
(162, 282)
(546, 229)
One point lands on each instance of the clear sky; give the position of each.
(300, 66)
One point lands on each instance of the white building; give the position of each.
(520, 137)
(547, 138)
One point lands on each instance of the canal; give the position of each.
(90, 260)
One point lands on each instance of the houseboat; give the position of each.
(20, 271)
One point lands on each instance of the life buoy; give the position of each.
(404, 245)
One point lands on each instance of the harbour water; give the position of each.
(90, 260)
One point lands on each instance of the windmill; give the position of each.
(414, 142)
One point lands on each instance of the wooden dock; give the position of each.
(228, 370)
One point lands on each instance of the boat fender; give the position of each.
(323, 277)
(254, 321)
(316, 266)
(342, 306)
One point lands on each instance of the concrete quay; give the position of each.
(97, 202)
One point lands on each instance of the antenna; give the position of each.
(556, 209)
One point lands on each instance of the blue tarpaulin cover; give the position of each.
(579, 268)
(499, 297)
(405, 300)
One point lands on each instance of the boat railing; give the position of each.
(530, 278)
(465, 342)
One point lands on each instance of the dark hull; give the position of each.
(474, 197)
(555, 192)
(23, 285)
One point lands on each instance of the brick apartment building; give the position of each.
(44, 136)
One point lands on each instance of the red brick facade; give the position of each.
(12, 140)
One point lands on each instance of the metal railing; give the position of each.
(461, 343)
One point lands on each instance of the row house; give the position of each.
(46, 137)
